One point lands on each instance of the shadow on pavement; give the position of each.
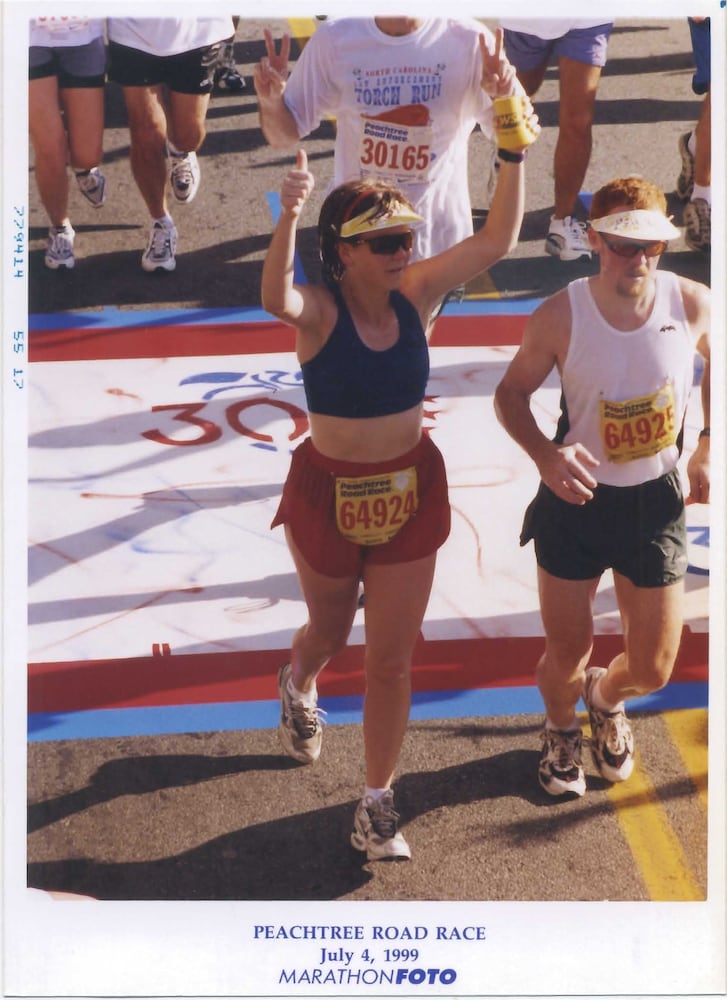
(296, 857)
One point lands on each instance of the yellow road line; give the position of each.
(302, 27)
(689, 730)
(656, 848)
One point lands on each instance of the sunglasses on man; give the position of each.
(386, 244)
(651, 249)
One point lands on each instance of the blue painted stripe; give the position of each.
(492, 307)
(113, 318)
(230, 716)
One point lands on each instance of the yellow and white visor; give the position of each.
(370, 222)
(637, 224)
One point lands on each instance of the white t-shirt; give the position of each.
(52, 32)
(405, 107)
(552, 27)
(169, 36)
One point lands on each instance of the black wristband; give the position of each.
(704, 433)
(507, 156)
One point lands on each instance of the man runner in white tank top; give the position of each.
(610, 497)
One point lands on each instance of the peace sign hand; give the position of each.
(271, 73)
(498, 74)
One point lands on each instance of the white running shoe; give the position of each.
(567, 239)
(92, 185)
(184, 175)
(299, 729)
(161, 248)
(59, 252)
(376, 830)
(560, 771)
(612, 742)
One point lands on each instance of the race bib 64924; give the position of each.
(371, 509)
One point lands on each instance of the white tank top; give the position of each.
(625, 393)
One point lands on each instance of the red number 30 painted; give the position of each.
(187, 413)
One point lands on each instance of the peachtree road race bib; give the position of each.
(638, 428)
(371, 509)
(396, 146)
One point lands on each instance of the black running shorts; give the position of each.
(185, 73)
(638, 531)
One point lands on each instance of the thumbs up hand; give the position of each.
(297, 185)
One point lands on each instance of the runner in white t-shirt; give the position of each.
(166, 69)
(406, 94)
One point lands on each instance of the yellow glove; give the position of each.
(516, 124)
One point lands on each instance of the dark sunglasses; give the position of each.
(389, 243)
(651, 249)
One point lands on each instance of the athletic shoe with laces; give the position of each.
(299, 729)
(612, 742)
(59, 252)
(685, 180)
(184, 175)
(162, 246)
(561, 770)
(567, 239)
(227, 75)
(698, 224)
(376, 830)
(92, 185)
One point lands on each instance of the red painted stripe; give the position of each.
(223, 339)
(251, 676)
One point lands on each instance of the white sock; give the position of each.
(599, 702)
(173, 151)
(374, 793)
(309, 698)
(702, 191)
(166, 221)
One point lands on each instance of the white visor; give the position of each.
(367, 222)
(637, 224)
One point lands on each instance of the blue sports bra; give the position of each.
(347, 379)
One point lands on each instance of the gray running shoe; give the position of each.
(299, 730)
(612, 742)
(685, 180)
(184, 176)
(561, 770)
(698, 225)
(376, 830)
(59, 252)
(162, 246)
(227, 75)
(92, 185)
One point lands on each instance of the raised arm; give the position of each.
(565, 469)
(432, 279)
(292, 303)
(270, 77)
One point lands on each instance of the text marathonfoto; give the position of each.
(368, 977)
